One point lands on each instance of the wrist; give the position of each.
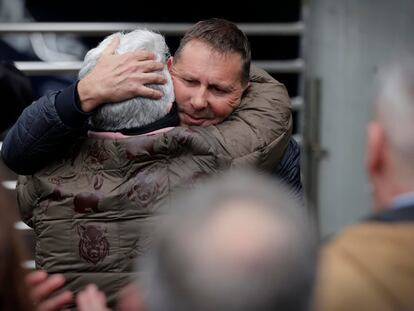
(68, 108)
(88, 100)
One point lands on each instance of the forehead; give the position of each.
(199, 60)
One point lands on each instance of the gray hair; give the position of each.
(138, 111)
(395, 108)
(264, 259)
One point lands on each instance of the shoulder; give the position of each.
(364, 262)
(264, 90)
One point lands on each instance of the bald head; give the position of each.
(390, 136)
(236, 243)
(243, 230)
(395, 109)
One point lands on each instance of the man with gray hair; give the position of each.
(238, 242)
(137, 112)
(370, 266)
(90, 211)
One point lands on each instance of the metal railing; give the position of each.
(59, 68)
(97, 29)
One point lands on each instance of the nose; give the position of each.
(199, 99)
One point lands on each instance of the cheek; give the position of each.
(181, 93)
(222, 109)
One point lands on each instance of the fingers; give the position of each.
(111, 48)
(139, 86)
(149, 66)
(119, 77)
(129, 299)
(45, 288)
(34, 278)
(143, 55)
(41, 287)
(151, 78)
(91, 299)
(56, 303)
(145, 91)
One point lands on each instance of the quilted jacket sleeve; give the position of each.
(26, 198)
(38, 137)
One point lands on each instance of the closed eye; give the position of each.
(189, 81)
(218, 90)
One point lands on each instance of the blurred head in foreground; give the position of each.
(13, 291)
(238, 242)
(390, 135)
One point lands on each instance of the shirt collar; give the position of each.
(403, 200)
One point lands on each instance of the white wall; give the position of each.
(347, 41)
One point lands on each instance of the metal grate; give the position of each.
(97, 29)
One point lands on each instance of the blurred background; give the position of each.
(327, 53)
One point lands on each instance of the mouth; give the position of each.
(190, 120)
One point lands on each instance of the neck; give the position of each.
(387, 190)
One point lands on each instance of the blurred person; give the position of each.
(21, 289)
(244, 244)
(237, 242)
(14, 293)
(370, 265)
(214, 89)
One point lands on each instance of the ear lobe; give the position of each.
(375, 148)
(248, 85)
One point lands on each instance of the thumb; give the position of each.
(111, 48)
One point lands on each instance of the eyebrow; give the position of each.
(224, 86)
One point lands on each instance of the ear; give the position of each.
(170, 62)
(375, 149)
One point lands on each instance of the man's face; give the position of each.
(207, 84)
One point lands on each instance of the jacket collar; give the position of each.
(170, 120)
(394, 215)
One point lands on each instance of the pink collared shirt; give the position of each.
(118, 135)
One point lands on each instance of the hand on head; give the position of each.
(117, 77)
